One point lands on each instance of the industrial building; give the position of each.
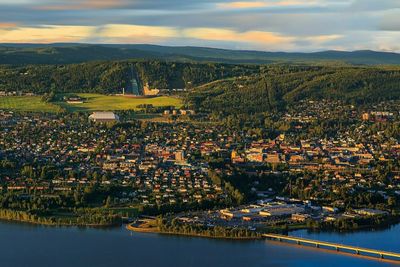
(282, 210)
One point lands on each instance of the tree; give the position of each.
(108, 201)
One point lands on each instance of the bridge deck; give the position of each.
(380, 253)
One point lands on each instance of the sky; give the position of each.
(267, 25)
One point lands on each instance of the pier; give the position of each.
(338, 247)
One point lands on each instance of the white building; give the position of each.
(104, 117)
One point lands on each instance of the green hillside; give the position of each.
(112, 76)
(277, 87)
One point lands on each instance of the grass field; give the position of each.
(27, 103)
(98, 102)
(94, 102)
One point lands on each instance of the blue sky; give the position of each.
(269, 25)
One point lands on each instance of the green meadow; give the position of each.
(98, 102)
(93, 102)
(27, 103)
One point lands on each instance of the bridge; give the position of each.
(338, 247)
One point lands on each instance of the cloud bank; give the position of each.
(270, 25)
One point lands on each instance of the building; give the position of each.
(281, 210)
(103, 117)
(74, 100)
(234, 154)
(365, 116)
(370, 212)
(273, 158)
(329, 209)
(180, 156)
(298, 217)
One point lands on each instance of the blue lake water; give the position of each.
(34, 246)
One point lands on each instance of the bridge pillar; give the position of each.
(337, 248)
(298, 242)
(357, 252)
(381, 256)
(317, 245)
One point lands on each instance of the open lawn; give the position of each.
(98, 102)
(94, 102)
(27, 103)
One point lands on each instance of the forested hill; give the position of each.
(227, 88)
(276, 87)
(78, 53)
(111, 77)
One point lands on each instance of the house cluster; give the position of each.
(307, 111)
(156, 163)
(168, 163)
(179, 112)
(161, 176)
(340, 153)
(377, 116)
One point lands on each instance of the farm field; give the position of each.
(98, 102)
(27, 103)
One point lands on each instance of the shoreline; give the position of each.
(148, 226)
(87, 218)
(60, 224)
(140, 229)
(155, 230)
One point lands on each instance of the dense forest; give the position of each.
(78, 53)
(278, 86)
(111, 77)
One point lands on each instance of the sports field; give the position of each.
(98, 102)
(27, 103)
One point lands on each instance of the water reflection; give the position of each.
(32, 245)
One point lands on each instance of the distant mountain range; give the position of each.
(75, 53)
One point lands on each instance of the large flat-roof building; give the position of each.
(104, 117)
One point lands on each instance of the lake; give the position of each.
(34, 246)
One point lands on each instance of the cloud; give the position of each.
(7, 25)
(112, 4)
(116, 33)
(373, 5)
(390, 22)
(123, 33)
(289, 25)
(216, 34)
(241, 5)
(139, 34)
(263, 4)
(46, 34)
(83, 4)
(261, 40)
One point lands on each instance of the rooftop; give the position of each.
(103, 116)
